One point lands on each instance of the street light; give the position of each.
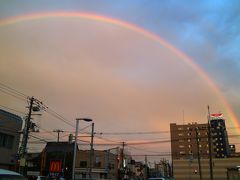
(75, 143)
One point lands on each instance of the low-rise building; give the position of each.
(104, 165)
(189, 168)
(10, 127)
(57, 159)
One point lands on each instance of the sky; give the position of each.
(122, 79)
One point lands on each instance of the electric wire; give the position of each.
(23, 113)
(58, 116)
(13, 90)
(13, 95)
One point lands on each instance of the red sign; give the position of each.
(55, 166)
(217, 115)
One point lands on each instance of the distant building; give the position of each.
(57, 160)
(190, 142)
(161, 169)
(33, 164)
(10, 127)
(187, 139)
(233, 173)
(232, 149)
(104, 165)
(219, 138)
(186, 169)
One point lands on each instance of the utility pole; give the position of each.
(145, 169)
(58, 131)
(198, 154)
(25, 138)
(210, 146)
(122, 161)
(91, 153)
(34, 105)
(122, 155)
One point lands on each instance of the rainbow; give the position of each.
(131, 27)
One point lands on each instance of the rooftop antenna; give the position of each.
(183, 117)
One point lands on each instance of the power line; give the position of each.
(11, 94)
(23, 113)
(132, 133)
(13, 90)
(58, 116)
(142, 149)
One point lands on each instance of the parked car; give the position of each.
(8, 175)
(37, 178)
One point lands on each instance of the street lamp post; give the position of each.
(75, 143)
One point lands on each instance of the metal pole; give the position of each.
(58, 132)
(198, 154)
(75, 149)
(210, 146)
(91, 153)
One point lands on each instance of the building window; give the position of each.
(181, 146)
(182, 152)
(189, 134)
(180, 128)
(181, 140)
(84, 175)
(189, 145)
(189, 140)
(180, 134)
(83, 164)
(97, 164)
(103, 175)
(6, 141)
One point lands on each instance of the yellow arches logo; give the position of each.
(55, 166)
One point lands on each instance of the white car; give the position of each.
(8, 175)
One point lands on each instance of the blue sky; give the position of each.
(207, 31)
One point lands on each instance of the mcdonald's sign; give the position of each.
(55, 166)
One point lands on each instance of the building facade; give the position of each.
(57, 160)
(104, 165)
(189, 139)
(188, 169)
(219, 138)
(190, 150)
(10, 127)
